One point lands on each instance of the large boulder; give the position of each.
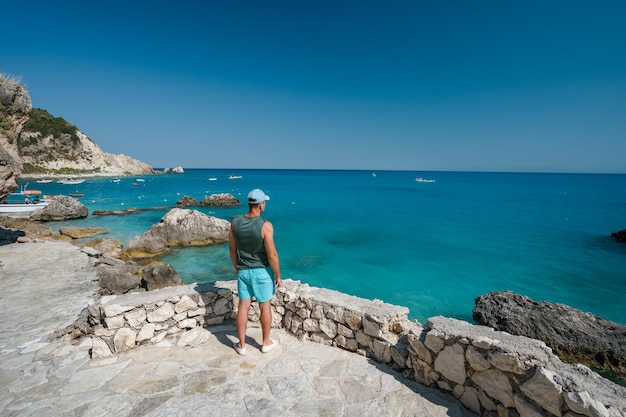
(116, 279)
(60, 209)
(179, 227)
(186, 201)
(160, 276)
(220, 200)
(574, 335)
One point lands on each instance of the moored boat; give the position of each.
(24, 201)
(70, 181)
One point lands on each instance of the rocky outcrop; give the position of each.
(214, 200)
(15, 105)
(116, 278)
(179, 227)
(60, 209)
(177, 170)
(9, 170)
(50, 144)
(107, 247)
(34, 141)
(220, 200)
(575, 336)
(130, 210)
(619, 236)
(24, 228)
(186, 201)
(160, 276)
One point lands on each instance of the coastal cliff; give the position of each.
(32, 141)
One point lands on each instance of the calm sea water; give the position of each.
(432, 247)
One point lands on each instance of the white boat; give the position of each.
(234, 177)
(44, 181)
(116, 180)
(21, 207)
(23, 201)
(140, 179)
(420, 179)
(212, 179)
(70, 181)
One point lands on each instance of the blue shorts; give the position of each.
(257, 283)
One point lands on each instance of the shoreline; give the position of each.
(85, 175)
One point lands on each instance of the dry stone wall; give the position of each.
(491, 373)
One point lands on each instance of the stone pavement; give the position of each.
(46, 285)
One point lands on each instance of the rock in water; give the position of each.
(178, 228)
(619, 236)
(60, 209)
(573, 335)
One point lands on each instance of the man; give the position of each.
(255, 258)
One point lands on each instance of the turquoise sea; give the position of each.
(432, 247)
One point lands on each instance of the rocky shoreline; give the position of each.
(575, 336)
(451, 361)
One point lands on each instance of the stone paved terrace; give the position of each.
(46, 286)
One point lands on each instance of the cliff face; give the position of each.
(51, 144)
(32, 141)
(15, 105)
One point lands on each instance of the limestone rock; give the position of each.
(124, 340)
(116, 279)
(15, 105)
(81, 232)
(24, 227)
(574, 335)
(107, 247)
(144, 247)
(8, 173)
(179, 227)
(543, 390)
(160, 276)
(60, 209)
(220, 200)
(187, 201)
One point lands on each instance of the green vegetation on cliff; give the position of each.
(46, 124)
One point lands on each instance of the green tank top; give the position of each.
(250, 246)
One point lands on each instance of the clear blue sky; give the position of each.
(409, 85)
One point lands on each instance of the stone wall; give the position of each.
(491, 373)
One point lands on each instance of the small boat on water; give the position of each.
(140, 179)
(44, 181)
(24, 201)
(70, 181)
(116, 180)
(77, 195)
(420, 179)
(234, 177)
(212, 179)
